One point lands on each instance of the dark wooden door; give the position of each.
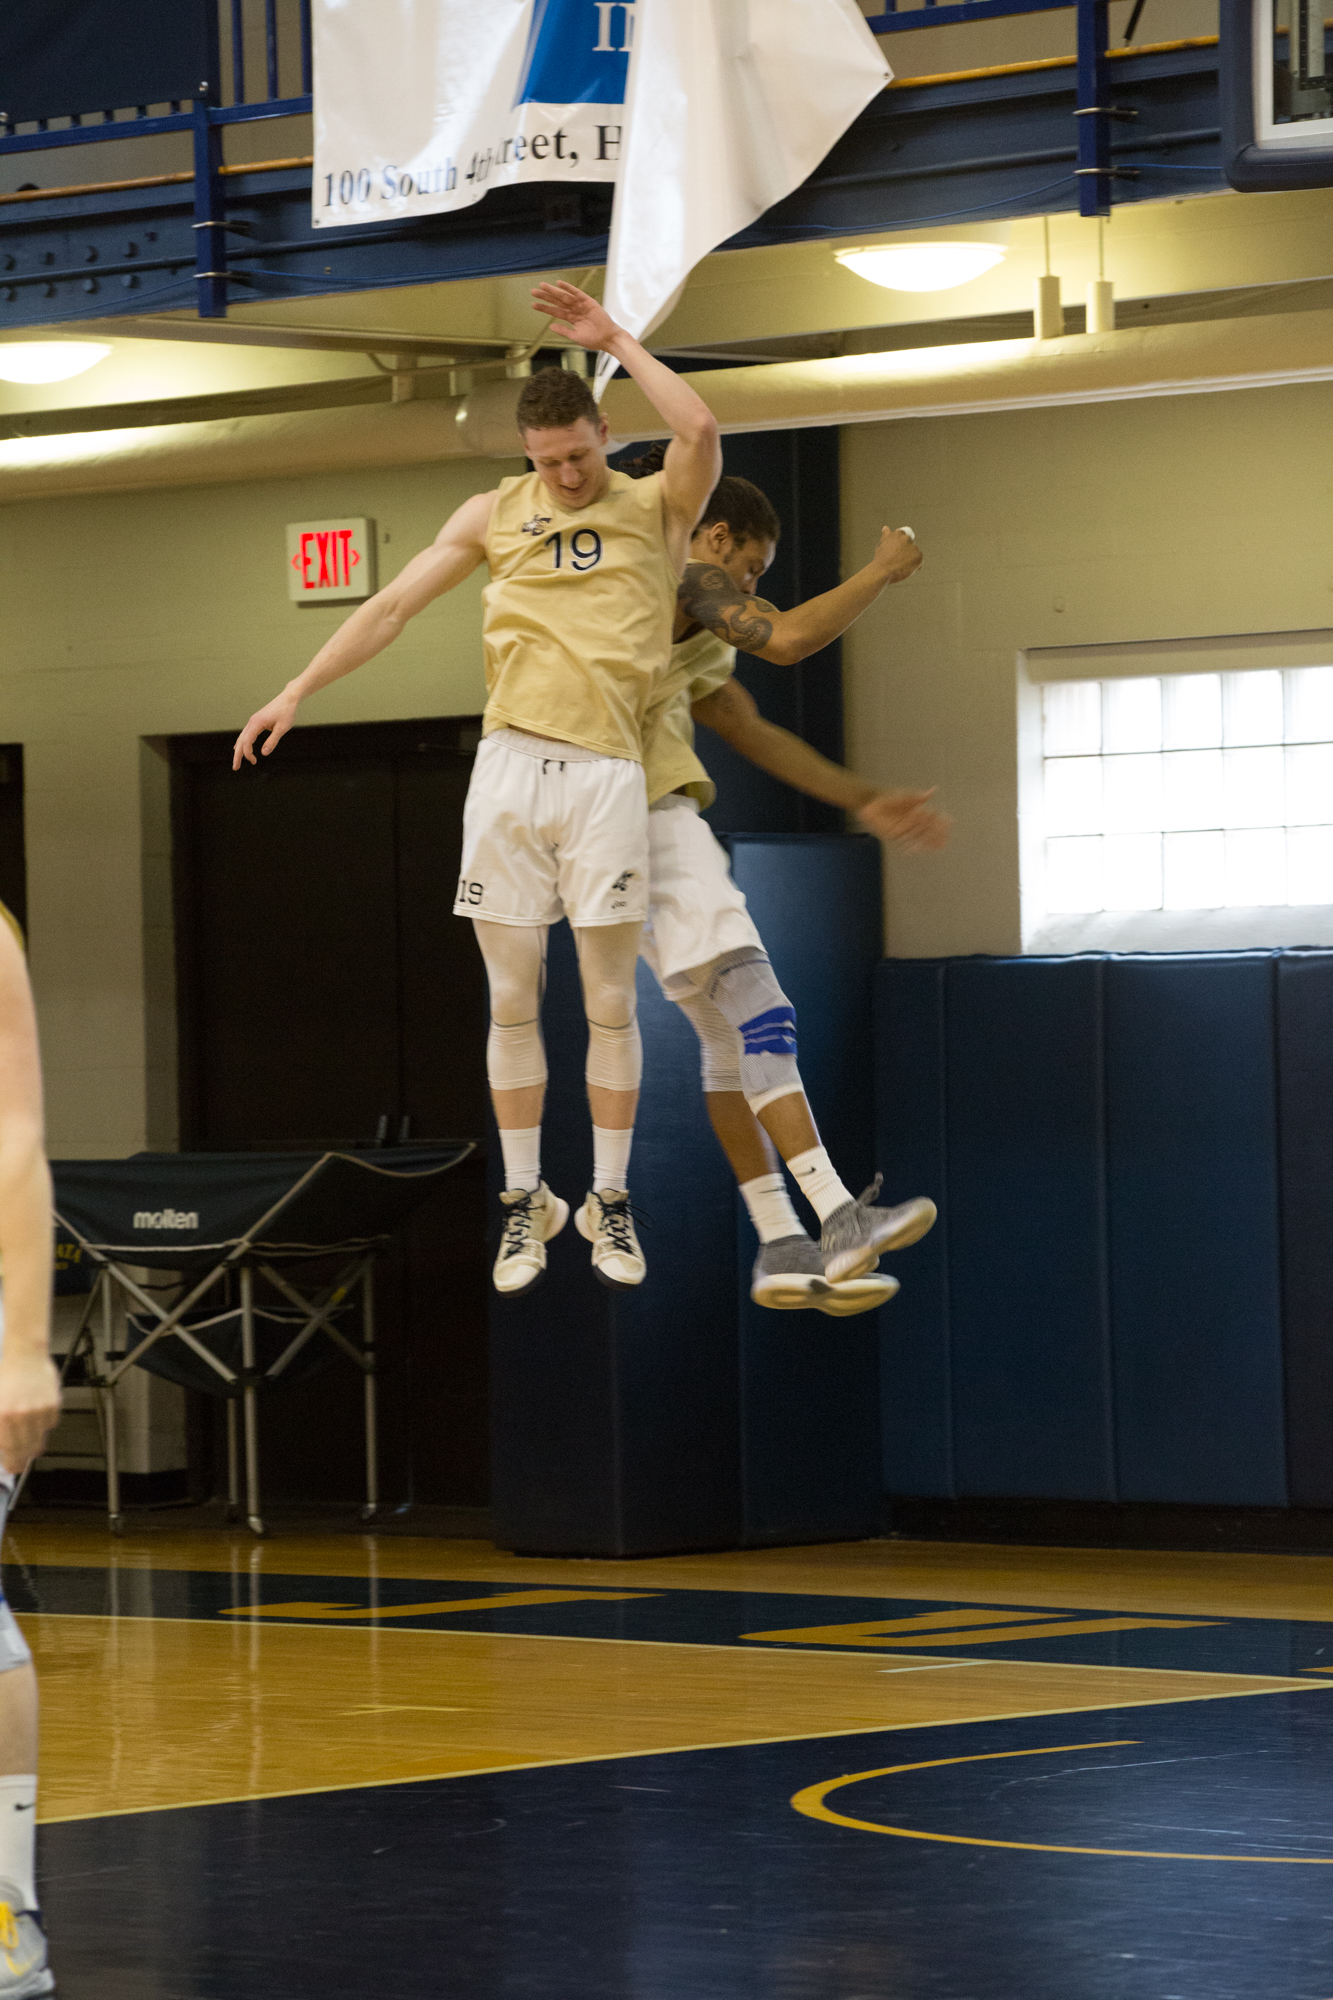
(326, 994)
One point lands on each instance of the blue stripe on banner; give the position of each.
(577, 53)
(770, 1034)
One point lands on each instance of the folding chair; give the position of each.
(206, 1216)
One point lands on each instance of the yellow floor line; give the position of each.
(681, 1645)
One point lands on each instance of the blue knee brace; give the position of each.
(744, 988)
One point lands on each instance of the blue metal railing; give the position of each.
(205, 119)
(250, 29)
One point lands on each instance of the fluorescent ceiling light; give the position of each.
(48, 360)
(71, 446)
(922, 267)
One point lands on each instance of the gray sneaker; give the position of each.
(788, 1274)
(858, 1295)
(23, 1968)
(856, 1235)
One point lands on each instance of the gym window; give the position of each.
(1183, 795)
(1188, 792)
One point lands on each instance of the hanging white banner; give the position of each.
(731, 104)
(423, 106)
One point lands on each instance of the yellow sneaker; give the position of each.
(24, 1971)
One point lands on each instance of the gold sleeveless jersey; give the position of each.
(7, 916)
(699, 666)
(578, 613)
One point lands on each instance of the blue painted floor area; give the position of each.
(692, 1877)
(704, 1617)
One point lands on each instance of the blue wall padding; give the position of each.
(680, 1416)
(810, 1385)
(1104, 1315)
(1027, 1290)
(1305, 1073)
(614, 1415)
(1193, 1204)
(916, 1407)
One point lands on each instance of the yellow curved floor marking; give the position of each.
(811, 1803)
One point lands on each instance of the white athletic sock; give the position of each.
(522, 1149)
(18, 1832)
(610, 1158)
(770, 1208)
(814, 1176)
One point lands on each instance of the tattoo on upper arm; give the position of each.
(710, 598)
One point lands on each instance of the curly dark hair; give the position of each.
(745, 508)
(553, 398)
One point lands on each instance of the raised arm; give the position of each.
(693, 463)
(907, 817)
(29, 1389)
(453, 555)
(709, 597)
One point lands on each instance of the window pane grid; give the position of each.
(1189, 791)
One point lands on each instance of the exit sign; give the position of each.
(330, 562)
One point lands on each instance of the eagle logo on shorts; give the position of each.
(536, 524)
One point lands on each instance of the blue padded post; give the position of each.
(1305, 1069)
(1027, 1288)
(809, 1385)
(614, 1414)
(916, 1375)
(1192, 1172)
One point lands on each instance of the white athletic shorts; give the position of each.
(546, 835)
(695, 910)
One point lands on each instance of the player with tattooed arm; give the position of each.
(700, 938)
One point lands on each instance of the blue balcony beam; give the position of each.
(153, 128)
(953, 17)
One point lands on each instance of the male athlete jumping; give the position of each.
(584, 566)
(700, 938)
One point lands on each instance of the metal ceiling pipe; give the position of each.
(968, 379)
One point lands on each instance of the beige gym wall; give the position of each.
(143, 616)
(1165, 518)
(135, 617)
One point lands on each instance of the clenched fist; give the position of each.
(897, 554)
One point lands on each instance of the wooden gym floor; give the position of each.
(359, 1766)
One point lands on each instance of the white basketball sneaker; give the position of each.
(24, 1972)
(606, 1221)
(531, 1220)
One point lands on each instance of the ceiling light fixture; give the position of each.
(922, 267)
(48, 360)
(69, 447)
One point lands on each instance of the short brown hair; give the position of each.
(553, 398)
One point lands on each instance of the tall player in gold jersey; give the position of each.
(576, 630)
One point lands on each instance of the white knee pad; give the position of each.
(615, 1056)
(515, 1057)
(743, 987)
(719, 1044)
(516, 975)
